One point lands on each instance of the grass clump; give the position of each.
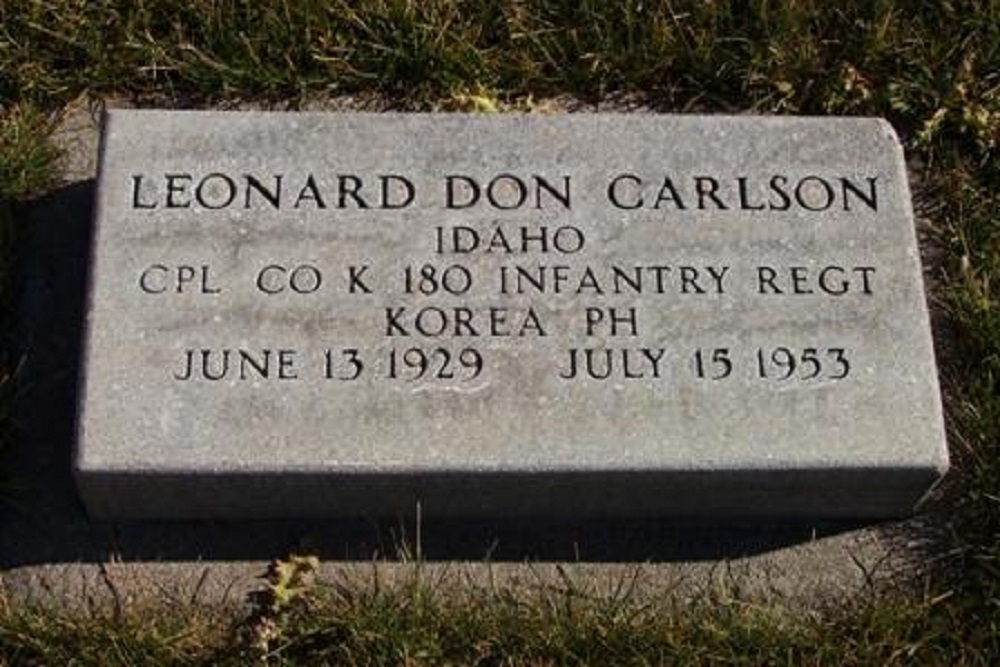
(214, 50)
(972, 297)
(187, 635)
(294, 620)
(905, 60)
(28, 161)
(422, 622)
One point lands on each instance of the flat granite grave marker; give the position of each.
(333, 314)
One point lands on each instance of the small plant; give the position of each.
(476, 100)
(288, 583)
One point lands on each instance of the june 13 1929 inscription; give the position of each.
(309, 314)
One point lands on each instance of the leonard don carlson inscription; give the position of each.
(329, 314)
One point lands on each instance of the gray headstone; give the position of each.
(330, 314)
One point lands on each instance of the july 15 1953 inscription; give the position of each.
(328, 314)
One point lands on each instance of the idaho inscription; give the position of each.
(328, 314)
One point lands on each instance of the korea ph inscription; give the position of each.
(345, 313)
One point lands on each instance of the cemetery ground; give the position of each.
(933, 70)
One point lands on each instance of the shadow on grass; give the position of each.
(43, 521)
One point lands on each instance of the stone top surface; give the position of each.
(399, 293)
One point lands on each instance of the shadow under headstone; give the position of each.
(43, 521)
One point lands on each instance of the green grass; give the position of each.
(415, 624)
(931, 68)
(906, 60)
(192, 635)
(566, 626)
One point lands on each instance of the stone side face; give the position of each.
(336, 314)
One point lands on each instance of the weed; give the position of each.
(286, 592)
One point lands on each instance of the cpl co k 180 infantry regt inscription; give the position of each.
(329, 314)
